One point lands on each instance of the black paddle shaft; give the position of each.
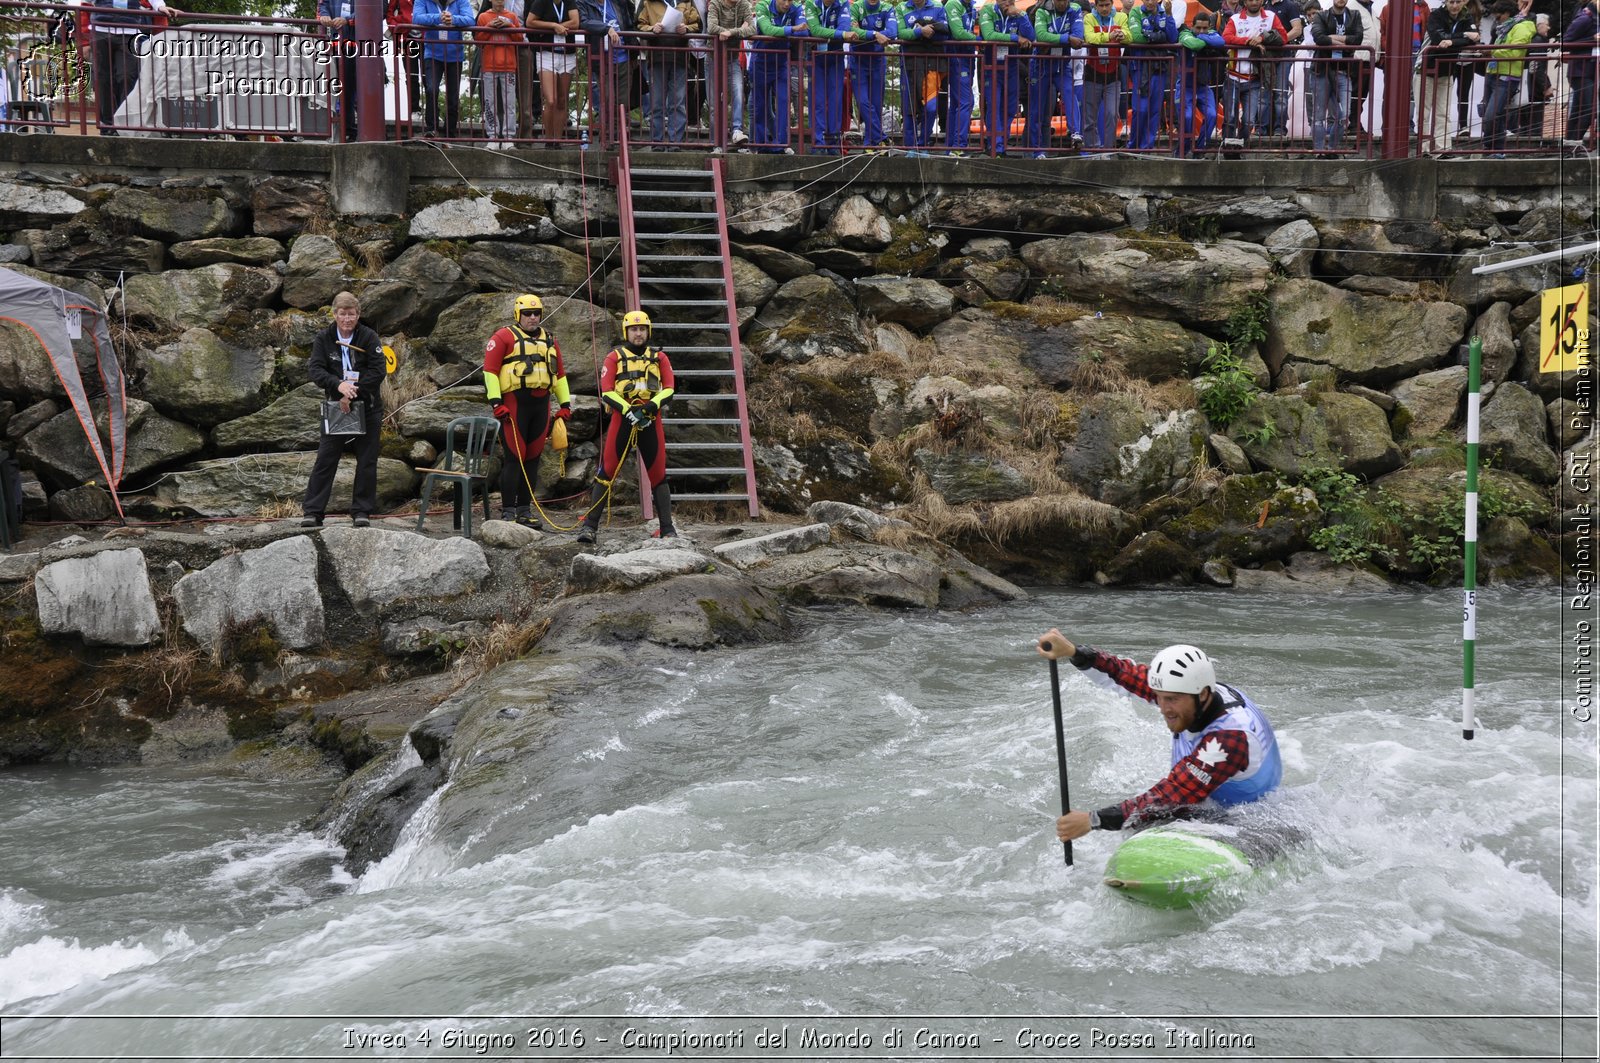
(1061, 750)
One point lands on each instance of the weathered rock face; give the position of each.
(29, 206)
(243, 486)
(502, 266)
(1408, 250)
(59, 451)
(292, 422)
(635, 568)
(808, 317)
(82, 504)
(1195, 284)
(171, 218)
(752, 287)
(1293, 247)
(761, 548)
(693, 611)
(1250, 520)
(275, 585)
(1358, 431)
(1367, 339)
(1431, 400)
(105, 598)
(376, 567)
(245, 250)
(1041, 211)
(1121, 456)
(317, 272)
(284, 206)
(916, 303)
(1296, 440)
(467, 218)
(1143, 347)
(199, 298)
(86, 244)
(776, 218)
(416, 287)
(1150, 558)
(1513, 434)
(971, 477)
(780, 265)
(430, 418)
(1493, 327)
(203, 381)
(860, 225)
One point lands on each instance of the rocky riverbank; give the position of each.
(1062, 384)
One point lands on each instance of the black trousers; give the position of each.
(364, 499)
(116, 72)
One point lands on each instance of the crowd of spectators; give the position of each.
(1040, 78)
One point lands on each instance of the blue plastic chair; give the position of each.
(464, 467)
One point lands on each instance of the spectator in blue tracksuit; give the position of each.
(1011, 35)
(442, 53)
(875, 30)
(963, 20)
(831, 25)
(924, 29)
(1157, 26)
(1057, 28)
(1199, 72)
(776, 21)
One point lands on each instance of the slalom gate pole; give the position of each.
(1469, 619)
(1061, 751)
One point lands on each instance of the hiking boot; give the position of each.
(526, 518)
(586, 534)
(508, 515)
(309, 521)
(360, 521)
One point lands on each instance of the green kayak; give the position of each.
(1175, 865)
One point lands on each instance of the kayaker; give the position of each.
(1223, 748)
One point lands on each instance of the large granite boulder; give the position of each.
(1430, 400)
(1285, 434)
(243, 486)
(1366, 339)
(1197, 284)
(376, 567)
(1041, 210)
(25, 206)
(428, 418)
(173, 215)
(317, 272)
(104, 598)
(654, 561)
(291, 422)
(1150, 558)
(1358, 431)
(1408, 250)
(1495, 330)
(1143, 347)
(284, 206)
(914, 302)
(204, 381)
(1294, 247)
(965, 477)
(1121, 455)
(752, 286)
(59, 451)
(768, 217)
(807, 318)
(414, 289)
(25, 367)
(245, 250)
(86, 244)
(1513, 434)
(275, 585)
(694, 611)
(859, 225)
(200, 298)
(545, 269)
(1248, 520)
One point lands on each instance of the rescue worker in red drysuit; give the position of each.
(634, 384)
(521, 368)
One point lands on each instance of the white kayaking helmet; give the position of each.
(1182, 670)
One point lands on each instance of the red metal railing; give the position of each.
(287, 79)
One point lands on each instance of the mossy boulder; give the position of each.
(1358, 430)
(1248, 520)
(1400, 248)
(318, 270)
(59, 451)
(292, 422)
(1367, 339)
(1150, 558)
(1143, 347)
(967, 477)
(807, 318)
(204, 381)
(172, 215)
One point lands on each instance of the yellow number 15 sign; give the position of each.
(1564, 329)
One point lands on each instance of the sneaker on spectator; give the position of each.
(738, 139)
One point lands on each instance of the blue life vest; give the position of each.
(1266, 767)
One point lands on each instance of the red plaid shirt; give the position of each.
(1216, 760)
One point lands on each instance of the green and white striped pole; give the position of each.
(1469, 623)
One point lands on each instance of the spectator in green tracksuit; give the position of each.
(1505, 72)
(962, 17)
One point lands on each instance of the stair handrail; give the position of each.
(735, 353)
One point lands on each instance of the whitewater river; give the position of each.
(844, 844)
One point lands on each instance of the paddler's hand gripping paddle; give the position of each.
(1061, 747)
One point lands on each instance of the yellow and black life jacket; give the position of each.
(529, 363)
(638, 375)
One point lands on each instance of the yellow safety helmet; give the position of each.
(526, 302)
(635, 317)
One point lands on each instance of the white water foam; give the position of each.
(52, 965)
